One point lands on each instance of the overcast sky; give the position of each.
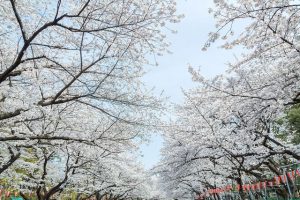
(172, 73)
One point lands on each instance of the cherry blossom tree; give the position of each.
(225, 131)
(72, 103)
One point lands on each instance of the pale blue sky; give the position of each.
(172, 73)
